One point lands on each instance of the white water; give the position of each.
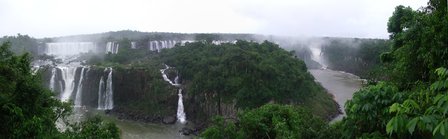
(181, 116)
(78, 98)
(68, 77)
(159, 45)
(105, 93)
(133, 45)
(52, 79)
(342, 85)
(63, 49)
(165, 77)
(100, 94)
(109, 92)
(317, 56)
(180, 108)
(112, 47)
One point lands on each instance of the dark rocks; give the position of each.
(186, 131)
(169, 120)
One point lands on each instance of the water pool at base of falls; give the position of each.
(135, 129)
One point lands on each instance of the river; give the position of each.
(342, 85)
(134, 129)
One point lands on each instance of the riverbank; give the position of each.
(340, 84)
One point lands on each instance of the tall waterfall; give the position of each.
(68, 77)
(52, 79)
(100, 94)
(78, 98)
(109, 92)
(181, 116)
(180, 108)
(105, 92)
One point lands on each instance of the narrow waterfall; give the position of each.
(180, 108)
(165, 77)
(133, 45)
(100, 94)
(105, 92)
(78, 98)
(109, 104)
(52, 79)
(181, 116)
(68, 77)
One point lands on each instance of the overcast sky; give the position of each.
(339, 18)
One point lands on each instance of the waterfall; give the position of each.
(316, 56)
(105, 92)
(165, 77)
(109, 92)
(180, 108)
(35, 69)
(52, 79)
(181, 116)
(68, 77)
(133, 45)
(78, 97)
(69, 48)
(159, 45)
(112, 47)
(100, 94)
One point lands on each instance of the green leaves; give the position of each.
(270, 121)
(412, 124)
(247, 72)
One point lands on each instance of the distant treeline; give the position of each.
(358, 56)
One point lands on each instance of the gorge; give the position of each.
(152, 92)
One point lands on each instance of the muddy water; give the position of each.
(342, 85)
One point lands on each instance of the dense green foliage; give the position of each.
(93, 127)
(419, 43)
(413, 102)
(248, 72)
(21, 44)
(270, 121)
(28, 110)
(368, 111)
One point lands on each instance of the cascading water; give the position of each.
(316, 56)
(78, 97)
(109, 92)
(68, 77)
(105, 92)
(181, 116)
(62, 49)
(112, 47)
(133, 45)
(100, 94)
(180, 108)
(52, 79)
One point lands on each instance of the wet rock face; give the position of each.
(143, 95)
(169, 120)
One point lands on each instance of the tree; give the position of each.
(28, 110)
(270, 121)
